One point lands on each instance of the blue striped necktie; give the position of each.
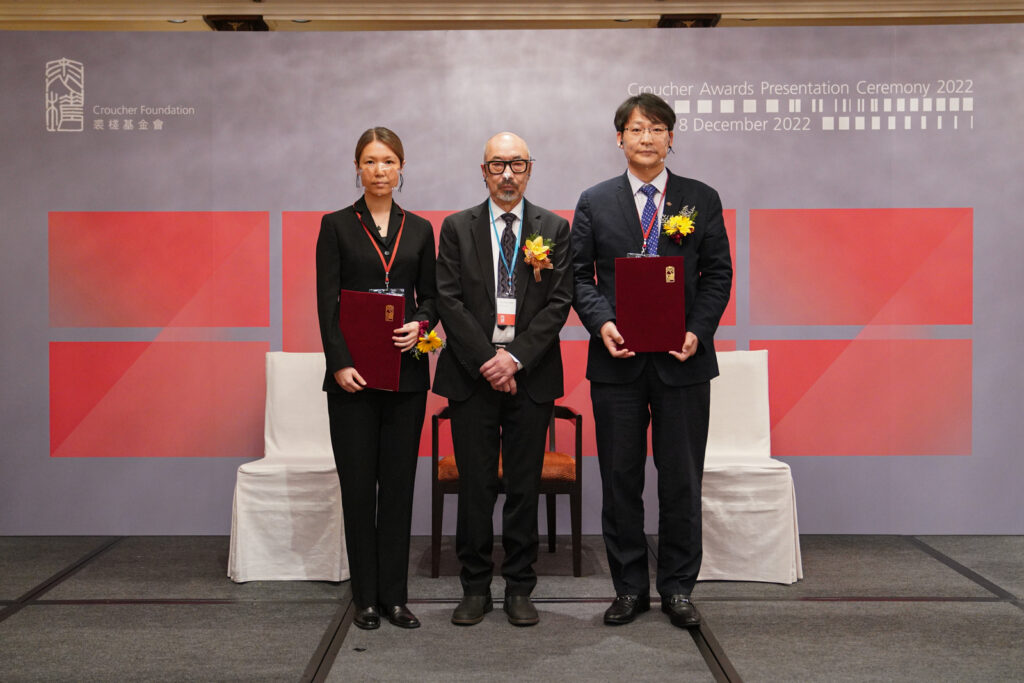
(650, 209)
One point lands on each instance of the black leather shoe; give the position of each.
(681, 612)
(400, 616)
(472, 610)
(625, 608)
(520, 610)
(367, 618)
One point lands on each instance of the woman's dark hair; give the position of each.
(382, 135)
(651, 106)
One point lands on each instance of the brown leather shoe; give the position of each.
(520, 610)
(472, 610)
(625, 608)
(681, 612)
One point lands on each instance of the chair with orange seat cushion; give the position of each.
(562, 474)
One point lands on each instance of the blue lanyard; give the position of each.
(497, 237)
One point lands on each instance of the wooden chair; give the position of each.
(562, 473)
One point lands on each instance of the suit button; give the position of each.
(387, 253)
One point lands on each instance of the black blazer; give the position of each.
(465, 286)
(346, 259)
(606, 226)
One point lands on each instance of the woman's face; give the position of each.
(378, 168)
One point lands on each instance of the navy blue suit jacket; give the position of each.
(605, 227)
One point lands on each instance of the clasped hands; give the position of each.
(500, 372)
(614, 342)
(404, 337)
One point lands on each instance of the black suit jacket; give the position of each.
(465, 285)
(605, 227)
(346, 259)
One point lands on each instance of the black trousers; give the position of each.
(679, 423)
(376, 437)
(487, 423)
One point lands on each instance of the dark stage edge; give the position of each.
(901, 608)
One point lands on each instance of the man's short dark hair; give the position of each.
(651, 106)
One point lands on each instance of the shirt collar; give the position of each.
(659, 181)
(497, 212)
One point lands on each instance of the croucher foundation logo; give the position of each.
(65, 95)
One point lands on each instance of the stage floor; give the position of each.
(894, 608)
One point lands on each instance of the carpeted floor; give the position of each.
(870, 608)
(569, 643)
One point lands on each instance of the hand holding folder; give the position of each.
(367, 321)
(650, 303)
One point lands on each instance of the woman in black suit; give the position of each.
(374, 244)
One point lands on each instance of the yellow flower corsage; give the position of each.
(537, 252)
(428, 342)
(679, 225)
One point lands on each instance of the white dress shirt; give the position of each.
(641, 199)
(506, 335)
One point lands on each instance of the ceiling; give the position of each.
(362, 15)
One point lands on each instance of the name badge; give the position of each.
(506, 311)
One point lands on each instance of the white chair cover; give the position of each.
(749, 503)
(286, 521)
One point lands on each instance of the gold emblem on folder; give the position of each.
(389, 312)
(670, 274)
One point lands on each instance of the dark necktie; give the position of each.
(650, 209)
(508, 249)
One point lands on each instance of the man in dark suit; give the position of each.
(671, 391)
(501, 370)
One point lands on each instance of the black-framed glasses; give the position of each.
(655, 131)
(497, 166)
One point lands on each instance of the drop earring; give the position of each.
(358, 180)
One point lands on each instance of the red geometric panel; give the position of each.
(870, 397)
(577, 392)
(115, 399)
(861, 266)
(159, 269)
(434, 404)
(729, 215)
(300, 230)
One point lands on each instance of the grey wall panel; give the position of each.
(274, 123)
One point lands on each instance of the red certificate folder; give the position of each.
(650, 302)
(368, 321)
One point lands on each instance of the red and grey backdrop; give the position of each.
(157, 239)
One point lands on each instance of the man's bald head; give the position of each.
(506, 169)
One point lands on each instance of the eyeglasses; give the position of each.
(497, 167)
(655, 131)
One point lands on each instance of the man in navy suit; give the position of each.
(501, 370)
(671, 391)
